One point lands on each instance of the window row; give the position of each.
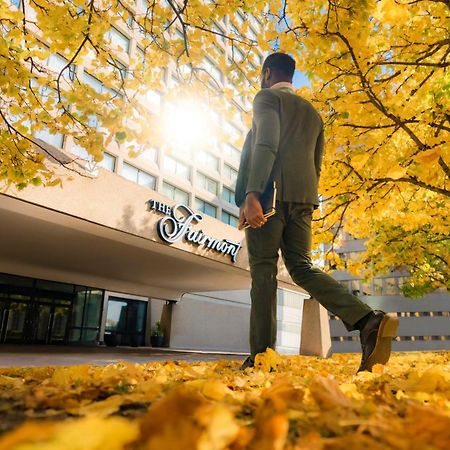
(377, 286)
(410, 314)
(149, 181)
(398, 338)
(143, 178)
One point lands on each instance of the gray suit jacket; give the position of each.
(285, 145)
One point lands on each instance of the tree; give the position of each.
(380, 75)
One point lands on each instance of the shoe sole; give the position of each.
(382, 351)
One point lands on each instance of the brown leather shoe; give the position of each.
(376, 339)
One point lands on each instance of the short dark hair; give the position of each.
(281, 63)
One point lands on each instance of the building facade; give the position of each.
(424, 322)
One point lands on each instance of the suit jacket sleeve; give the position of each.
(318, 153)
(241, 181)
(266, 139)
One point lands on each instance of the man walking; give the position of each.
(285, 146)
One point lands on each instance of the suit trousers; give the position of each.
(290, 230)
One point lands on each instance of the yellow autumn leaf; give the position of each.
(396, 171)
(327, 393)
(83, 434)
(269, 360)
(359, 161)
(215, 390)
(103, 408)
(428, 156)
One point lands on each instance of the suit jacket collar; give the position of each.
(283, 85)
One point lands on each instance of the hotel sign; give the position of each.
(178, 223)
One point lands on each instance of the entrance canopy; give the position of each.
(84, 235)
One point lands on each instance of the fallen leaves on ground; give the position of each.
(284, 403)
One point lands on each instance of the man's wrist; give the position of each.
(253, 194)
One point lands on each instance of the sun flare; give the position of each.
(187, 125)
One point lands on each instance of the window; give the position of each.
(391, 286)
(120, 69)
(237, 54)
(233, 132)
(366, 287)
(208, 160)
(219, 33)
(175, 194)
(143, 4)
(140, 56)
(206, 207)
(228, 195)
(377, 286)
(16, 3)
(254, 21)
(346, 284)
(86, 312)
(118, 39)
(231, 152)
(207, 183)
(149, 154)
(252, 35)
(212, 69)
(229, 219)
(55, 139)
(108, 162)
(138, 176)
(127, 16)
(57, 63)
(94, 83)
(229, 172)
(179, 34)
(177, 168)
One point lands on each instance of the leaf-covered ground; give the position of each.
(294, 402)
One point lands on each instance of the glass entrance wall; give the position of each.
(47, 312)
(126, 319)
(86, 315)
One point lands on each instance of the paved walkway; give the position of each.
(51, 355)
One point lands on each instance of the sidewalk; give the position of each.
(52, 355)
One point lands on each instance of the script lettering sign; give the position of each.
(178, 223)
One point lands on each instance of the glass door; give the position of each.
(3, 314)
(15, 319)
(38, 323)
(60, 321)
(51, 318)
(126, 319)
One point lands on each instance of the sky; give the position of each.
(300, 80)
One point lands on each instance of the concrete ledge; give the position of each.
(315, 330)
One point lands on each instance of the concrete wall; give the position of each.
(212, 321)
(220, 321)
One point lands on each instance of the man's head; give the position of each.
(276, 68)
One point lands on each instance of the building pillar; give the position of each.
(315, 330)
(166, 321)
